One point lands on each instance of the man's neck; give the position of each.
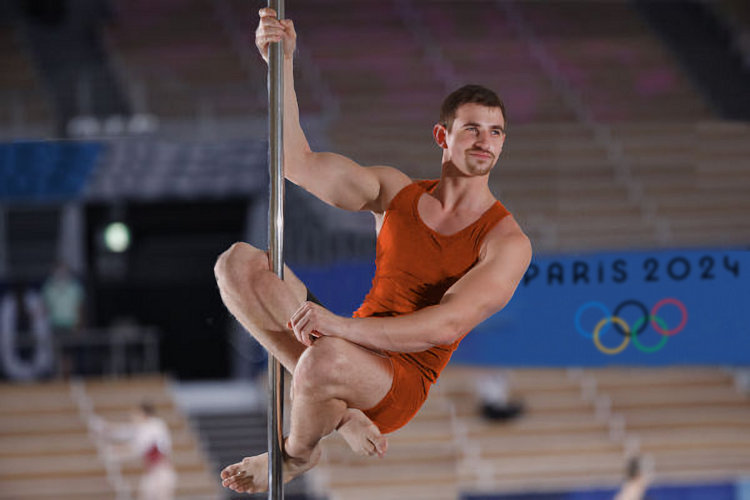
(464, 193)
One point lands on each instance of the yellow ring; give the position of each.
(612, 350)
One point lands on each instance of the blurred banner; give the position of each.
(639, 308)
(130, 168)
(46, 171)
(709, 491)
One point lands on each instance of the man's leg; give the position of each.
(263, 304)
(260, 301)
(331, 376)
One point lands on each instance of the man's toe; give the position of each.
(228, 471)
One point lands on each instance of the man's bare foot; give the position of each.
(362, 436)
(251, 474)
(248, 476)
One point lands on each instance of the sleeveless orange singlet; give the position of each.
(415, 265)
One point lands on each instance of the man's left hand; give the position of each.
(312, 321)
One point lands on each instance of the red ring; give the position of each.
(680, 306)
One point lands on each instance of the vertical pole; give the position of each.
(276, 250)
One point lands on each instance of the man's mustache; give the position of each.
(479, 150)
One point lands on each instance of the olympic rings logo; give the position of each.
(631, 332)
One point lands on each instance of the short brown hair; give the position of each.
(469, 94)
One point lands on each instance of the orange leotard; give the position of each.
(415, 265)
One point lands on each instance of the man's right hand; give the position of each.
(270, 30)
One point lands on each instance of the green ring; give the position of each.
(649, 349)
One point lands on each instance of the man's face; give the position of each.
(476, 138)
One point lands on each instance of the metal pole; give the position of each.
(276, 249)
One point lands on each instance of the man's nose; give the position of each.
(482, 137)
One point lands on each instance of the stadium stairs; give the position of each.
(230, 436)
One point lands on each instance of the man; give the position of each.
(448, 256)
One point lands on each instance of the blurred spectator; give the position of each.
(146, 438)
(63, 298)
(636, 482)
(495, 401)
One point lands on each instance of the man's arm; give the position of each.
(480, 293)
(335, 179)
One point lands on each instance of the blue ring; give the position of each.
(579, 313)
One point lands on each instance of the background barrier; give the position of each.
(686, 307)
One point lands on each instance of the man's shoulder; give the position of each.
(392, 181)
(392, 176)
(507, 232)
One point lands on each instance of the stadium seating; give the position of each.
(603, 123)
(633, 159)
(691, 423)
(24, 103)
(613, 62)
(47, 448)
(179, 53)
(460, 451)
(41, 425)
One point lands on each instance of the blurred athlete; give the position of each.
(449, 255)
(145, 438)
(636, 481)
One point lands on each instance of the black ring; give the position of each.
(639, 305)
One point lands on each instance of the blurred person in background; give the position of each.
(636, 481)
(63, 297)
(146, 438)
(495, 401)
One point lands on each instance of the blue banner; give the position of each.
(637, 308)
(718, 491)
(45, 170)
(640, 308)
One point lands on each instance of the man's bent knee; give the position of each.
(322, 367)
(239, 260)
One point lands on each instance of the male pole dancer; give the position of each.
(448, 256)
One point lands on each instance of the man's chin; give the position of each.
(480, 169)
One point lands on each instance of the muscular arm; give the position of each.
(335, 179)
(480, 293)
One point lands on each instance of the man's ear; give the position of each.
(439, 132)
